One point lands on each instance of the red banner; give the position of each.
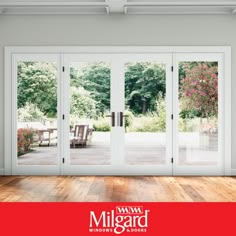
(101, 219)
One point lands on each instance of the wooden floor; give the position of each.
(116, 189)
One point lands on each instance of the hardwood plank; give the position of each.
(196, 197)
(116, 189)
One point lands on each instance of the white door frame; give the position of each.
(11, 51)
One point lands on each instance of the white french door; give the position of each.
(118, 113)
(117, 150)
(89, 150)
(198, 109)
(145, 149)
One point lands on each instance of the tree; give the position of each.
(81, 103)
(94, 78)
(184, 66)
(144, 81)
(37, 84)
(199, 90)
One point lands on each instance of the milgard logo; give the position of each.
(121, 219)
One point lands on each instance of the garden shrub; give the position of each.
(82, 104)
(151, 122)
(197, 124)
(102, 125)
(24, 140)
(128, 119)
(161, 114)
(30, 112)
(76, 120)
(147, 124)
(199, 90)
(144, 124)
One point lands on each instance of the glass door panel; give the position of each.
(36, 113)
(198, 125)
(37, 131)
(88, 122)
(89, 110)
(147, 113)
(145, 121)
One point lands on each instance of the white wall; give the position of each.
(118, 30)
(117, 0)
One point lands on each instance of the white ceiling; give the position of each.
(9, 7)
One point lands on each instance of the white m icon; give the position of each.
(129, 210)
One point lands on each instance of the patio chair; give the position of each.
(80, 135)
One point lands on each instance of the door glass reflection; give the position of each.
(198, 113)
(145, 124)
(89, 106)
(36, 113)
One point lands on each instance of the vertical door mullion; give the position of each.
(65, 101)
(221, 111)
(175, 105)
(59, 111)
(169, 114)
(14, 114)
(117, 105)
(61, 105)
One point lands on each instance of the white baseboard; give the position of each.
(233, 171)
(8, 172)
(2, 172)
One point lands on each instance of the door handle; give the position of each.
(121, 118)
(112, 115)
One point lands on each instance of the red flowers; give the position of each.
(199, 90)
(24, 140)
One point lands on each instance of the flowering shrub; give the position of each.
(199, 90)
(24, 140)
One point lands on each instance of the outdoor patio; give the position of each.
(142, 148)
